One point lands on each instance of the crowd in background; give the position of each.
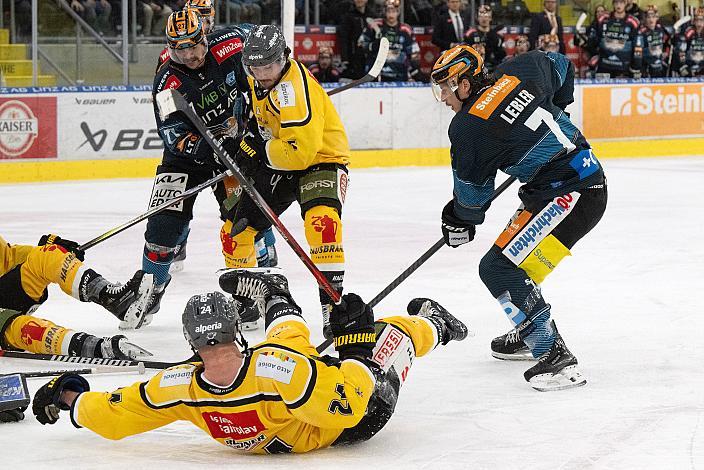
(621, 39)
(624, 41)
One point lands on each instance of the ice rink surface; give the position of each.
(627, 304)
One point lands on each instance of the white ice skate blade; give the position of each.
(135, 312)
(569, 377)
(521, 356)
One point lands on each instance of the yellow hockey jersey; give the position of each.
(284, 399)
(301, 122)
(12, 255)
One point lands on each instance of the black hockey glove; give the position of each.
(69, 245)
(455, 231)
(47, 401)
(12, 416)
(352, 325)
(251, 153)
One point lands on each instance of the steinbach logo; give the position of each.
(620, 101)
(18, 128)
(226, 49)
(649, 100)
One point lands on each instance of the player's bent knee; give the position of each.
(544, 258)
(165, 230)
(238, 250)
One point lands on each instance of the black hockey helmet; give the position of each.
(454, 65)
(211, 319)
(264, 45)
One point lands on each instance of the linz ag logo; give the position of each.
(226, 49)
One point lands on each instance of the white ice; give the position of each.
(626, 303)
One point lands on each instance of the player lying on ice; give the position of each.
(25, 273)
(278, 396)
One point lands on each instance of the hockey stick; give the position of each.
(185, 195)
(371, 76)
(140, 369)
(373, 73)
(419, 262)
(675, 31)
(170, 101)
(93, 360)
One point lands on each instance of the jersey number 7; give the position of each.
(543, 115)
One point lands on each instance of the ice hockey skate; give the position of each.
(117, 347)
(150, 305)
(127, 302)
(510, 347)
(251, 288)
(557, 369)
(449, 327)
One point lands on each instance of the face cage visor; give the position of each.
(451, 83)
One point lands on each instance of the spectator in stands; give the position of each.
(154, 16)
(656, 44)
(546, 22)
(23, 19)
(582, 39)
(324, 71)
(490, 37)
(245, 11)
(95, 13)
(450, 26)
(403, 48)
(351, 27)
(271, 11)
(619, 43)
(522, 45)
(549, 43)
(690, 55)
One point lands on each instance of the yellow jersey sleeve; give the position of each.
(304, 125)
(12, 255)
(130, 410)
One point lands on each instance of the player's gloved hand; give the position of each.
(12, 416)
(635, 73)
(455, 231)
(69, 245)
(352, 325)
(252, 150)
(684, 71)
(47, 401)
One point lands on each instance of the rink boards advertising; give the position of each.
(110, 131)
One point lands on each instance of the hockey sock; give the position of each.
(539, 334)
(238, 250)
(37, 335)
(262, 250)
(156, 261)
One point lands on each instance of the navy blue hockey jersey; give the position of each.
(519, 126)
